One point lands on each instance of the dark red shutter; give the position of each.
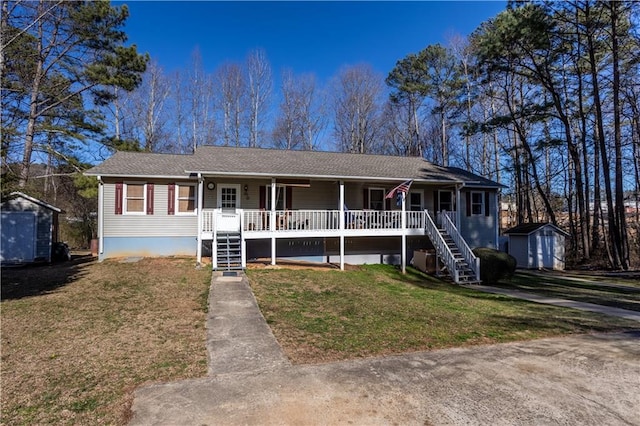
(289, 197)
(387, 203)
(263, 198)
(468, 203)
(486, 204)
(171, 201)
(436, 201)
(150, 198)
(365, 198)
(119, 198)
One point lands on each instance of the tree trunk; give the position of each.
(620, 239)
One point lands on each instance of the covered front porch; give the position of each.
(246, 225)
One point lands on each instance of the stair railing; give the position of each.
(452, 230)
(442, 249)
(214, 243)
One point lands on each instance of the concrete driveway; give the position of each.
(579, 380)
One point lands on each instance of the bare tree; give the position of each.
(259, 85)
(147, 105)
(301, 117)
(200, 92)
(356, 101)
(231, 102)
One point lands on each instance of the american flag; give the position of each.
(402, 188)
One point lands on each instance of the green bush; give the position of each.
(495, 265)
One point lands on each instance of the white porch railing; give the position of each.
(292, 220)
(208, 220)
(442, 249)
(329, 220)
(449, 226)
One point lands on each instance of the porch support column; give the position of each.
(403, 221)
(199, 210)
(272, 221)
(458, 206)
(341, 208)
(497, 212)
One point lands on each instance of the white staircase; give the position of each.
(229, 251)
(458, 259)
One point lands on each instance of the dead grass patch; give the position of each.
(79, 337)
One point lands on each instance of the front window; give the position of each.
(281, 197)
(376, 199)
(186, 198)
(415, 201)
(446, 201)
(477, 203)
(134, 198)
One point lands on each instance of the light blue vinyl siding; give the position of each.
(156, 225)
(148, 246)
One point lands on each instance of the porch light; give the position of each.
(246, 188)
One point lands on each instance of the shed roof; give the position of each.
(530, 228)
(232, 161)
(37, 201)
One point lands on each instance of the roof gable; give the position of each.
(16, 195)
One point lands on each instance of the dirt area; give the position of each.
(293, 264)
(78, 337)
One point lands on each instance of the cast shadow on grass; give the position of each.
(37, 279)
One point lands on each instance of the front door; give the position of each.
(228, 202)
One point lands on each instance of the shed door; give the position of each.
(18, 236)
(546, 250)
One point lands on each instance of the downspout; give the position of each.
(199, 210)
(100, 218)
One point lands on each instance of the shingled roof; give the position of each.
(529, 228)
(231, 161)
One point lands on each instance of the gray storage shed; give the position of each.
(29, 228)
(537, 245)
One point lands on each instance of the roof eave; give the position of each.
(139, 176)
(319, 177)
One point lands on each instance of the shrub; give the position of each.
(495, 265)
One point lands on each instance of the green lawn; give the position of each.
(580, 288)
(320, 316)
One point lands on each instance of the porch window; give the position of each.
(477, 203)
(135, 198)
(446, 201)
(376, 199)
(415, 201)
(186, 198)
(281, 198)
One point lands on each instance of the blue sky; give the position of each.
(318, 37)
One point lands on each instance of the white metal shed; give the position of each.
(29, 227)
(537, 245)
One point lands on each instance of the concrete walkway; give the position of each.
(566, 303)
(586, 380)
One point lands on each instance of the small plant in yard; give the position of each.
(78, 338)
(495, 265)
